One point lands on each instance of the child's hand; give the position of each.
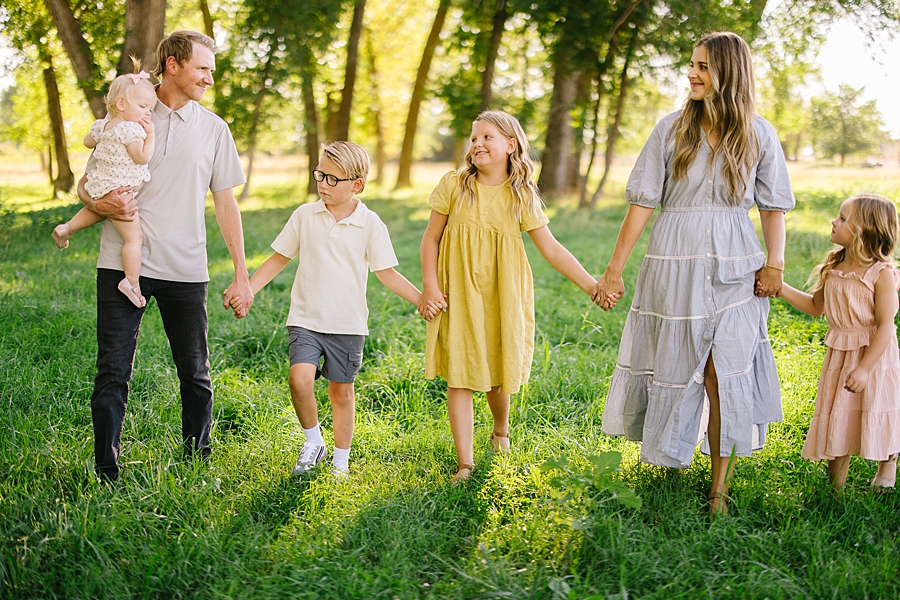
(147, 124)
(431, 310)
(608, 291)
(609, 302)
(236, 305)
(432, 304)
(857, 380)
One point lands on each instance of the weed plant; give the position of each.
(240, 527)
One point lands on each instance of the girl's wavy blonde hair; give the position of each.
(124, 86)
(526, 197)
(873, 222)
(731, 109)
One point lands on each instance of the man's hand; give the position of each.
(119, 204)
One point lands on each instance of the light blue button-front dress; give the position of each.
(694, 295)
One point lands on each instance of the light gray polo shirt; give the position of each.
(194, 154)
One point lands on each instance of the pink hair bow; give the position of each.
(135, 77)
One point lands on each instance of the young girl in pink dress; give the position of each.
(858, 402)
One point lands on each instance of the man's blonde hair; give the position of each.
(349, 158)
(180, 45)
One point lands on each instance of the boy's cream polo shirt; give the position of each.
(194, 153)
(329, 292)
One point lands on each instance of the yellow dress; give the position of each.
(486, 337)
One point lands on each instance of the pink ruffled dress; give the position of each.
(867, 423)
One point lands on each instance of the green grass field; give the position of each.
(240, 527)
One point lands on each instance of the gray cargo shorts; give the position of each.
(342, 354)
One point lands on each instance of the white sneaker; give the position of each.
(310, 456)
(341, 474)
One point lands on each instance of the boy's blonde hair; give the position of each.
(180, 45)
(124, 86)
(525, 193)
(349, 158)
(874, 223)
(730, 107)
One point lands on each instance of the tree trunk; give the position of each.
(311, 117)
(412, 117)
(342, 130)
(611, 50)
(49, 164)
(555, 160)
(78, 51)
(375, 109)
(582, 196)
(257, 111)
(487, 80)
(612, 133)
(582, 94)
(145, 22)
(207, 19)
(65, 179)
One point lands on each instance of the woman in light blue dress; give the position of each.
(695, 339)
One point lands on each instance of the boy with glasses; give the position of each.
(336, 239)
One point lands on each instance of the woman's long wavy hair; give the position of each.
(730, 108)
(526, 197)
(873, 222)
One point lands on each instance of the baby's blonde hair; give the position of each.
(349, 158)
(874, 223)
(525, 193)
(124, 86)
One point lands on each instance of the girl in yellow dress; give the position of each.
(474, 268)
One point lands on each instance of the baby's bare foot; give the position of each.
(61, 236)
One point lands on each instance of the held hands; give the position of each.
(768, 282)
(431, 303)
(238, 297)
(609, 290)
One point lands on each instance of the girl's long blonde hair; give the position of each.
(526, 197)
(730, 108)
(873, 222)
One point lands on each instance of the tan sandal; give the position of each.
(718, 505)
(497, 442)
(462, 474)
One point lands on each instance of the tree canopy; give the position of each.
(583, 76)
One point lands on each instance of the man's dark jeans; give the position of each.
(183, 310)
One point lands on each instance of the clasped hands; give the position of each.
(768, 283)
(431, 303)
(608, 291)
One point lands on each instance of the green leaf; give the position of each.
(607, 461)
(555, 463)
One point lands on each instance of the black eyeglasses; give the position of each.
(329, 179)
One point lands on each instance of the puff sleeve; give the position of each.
(647, 182)
(772, 190)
